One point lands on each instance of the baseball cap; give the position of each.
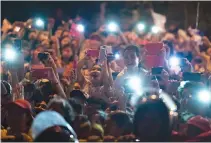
(200, 122)
(48, 119)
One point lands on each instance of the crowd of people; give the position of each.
(123, 82)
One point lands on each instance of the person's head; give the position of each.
(190, 93)
(49, 126)
(131, 56)
(35, 52)
(66, 33)
(65, 40)
(118, 124)
(6, 93)
(44, 90)
(19, 117)
(58, 32)
(78, 96)
(96, 74)
(77, 107)
(82, 126)
(151, 121)
(62, 106)
(67, 52)
(33, 35)
(197, 125)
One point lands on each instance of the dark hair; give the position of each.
(69, 114)
(8, 87)
(68, 46)
(132, 47)
(77, 107)
(122, 120)
(162, 110)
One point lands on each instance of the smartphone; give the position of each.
(157, 70)
(188, 76)
(102, 55)
(93, 53)
(18, 44)
(42, 56)
(17, 29)
(39, 73)
(151, 61)
(153, 48)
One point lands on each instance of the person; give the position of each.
(53, 129)
(151, 121)
(118, 124)
(196, 126)
(62, 106)
(131, 61)
(19, 119)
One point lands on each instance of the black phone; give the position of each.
(42, 56)
(157, 70)
(188, 76)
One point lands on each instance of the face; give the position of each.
(67, 53)
(35, 53)
(95, 73)
(130, 58)
(65, 41)
(58, 33)
(32, 35)
(66, 33)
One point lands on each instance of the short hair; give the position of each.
(134, 48)
(69, 114)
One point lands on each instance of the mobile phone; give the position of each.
(151, 61)
(18, 44)
(42, 56)
(93, 53)
(17, 29)
(153, 48)
(39, 73)
(102, 55)
(157, 70)
(188, 76)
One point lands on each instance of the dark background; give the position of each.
(183, 12)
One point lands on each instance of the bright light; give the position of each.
(17, 29)
(174, 61)
(80, 28)
(112, 27)
(141, 26)
(117, 56)
(9, 54)
(153, 97)
(204, 96)
(134, 83)
(40, 22)
(155, 29)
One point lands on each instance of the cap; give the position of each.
(47, 119)
(200, 122)
(24, 104)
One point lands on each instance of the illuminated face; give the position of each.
(130, 58)
(66, 33)
(67, 52)
(95, 73)
(65, 41)
(58, 33)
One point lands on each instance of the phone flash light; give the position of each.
(174, 61)
(10, 54)
(112, 27)
(40, 22)
(80, 28)
(117, 56)
(155, 29)
(204, 96)
(141, 26)
(17, 29)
